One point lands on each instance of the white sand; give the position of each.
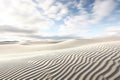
(88, 59)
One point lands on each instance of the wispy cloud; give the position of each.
(52, 37)
(113, 31)
(77, 24)
(70, 18)
(103, 8)
(23, 14)
(11, 29)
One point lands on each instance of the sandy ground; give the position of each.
(83, 59)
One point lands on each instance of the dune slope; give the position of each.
(95, 61)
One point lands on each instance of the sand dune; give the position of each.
(51, 45)
(90, 59)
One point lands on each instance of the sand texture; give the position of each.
(89, 59)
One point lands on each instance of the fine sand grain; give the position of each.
(89, 59)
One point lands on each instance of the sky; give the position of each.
(58, 19)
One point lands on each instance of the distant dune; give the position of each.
(8, 42)
(28, 42)
(81, 59)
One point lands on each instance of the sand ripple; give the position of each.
(98, 61)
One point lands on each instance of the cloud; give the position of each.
(21, 17)
(52, 9)
(34, 18)
(10, 29)
(113, 31)
(26, 14)
(45, 3)
(103, 8)
(80, 24)
(52, 37)
(23, 14)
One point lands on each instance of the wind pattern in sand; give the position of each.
(97, 60)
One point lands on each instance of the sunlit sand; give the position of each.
(82, 59)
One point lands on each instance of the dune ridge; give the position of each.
(48, 46)
(92, 60)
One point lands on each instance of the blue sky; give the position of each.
(58, 19)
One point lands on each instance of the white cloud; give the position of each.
(23, 14)
(6, 15)
(39, 16)
(56, 11)
(103, 8)
(75, 25)
(45, 4)
(79, 24)
(113, 30)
